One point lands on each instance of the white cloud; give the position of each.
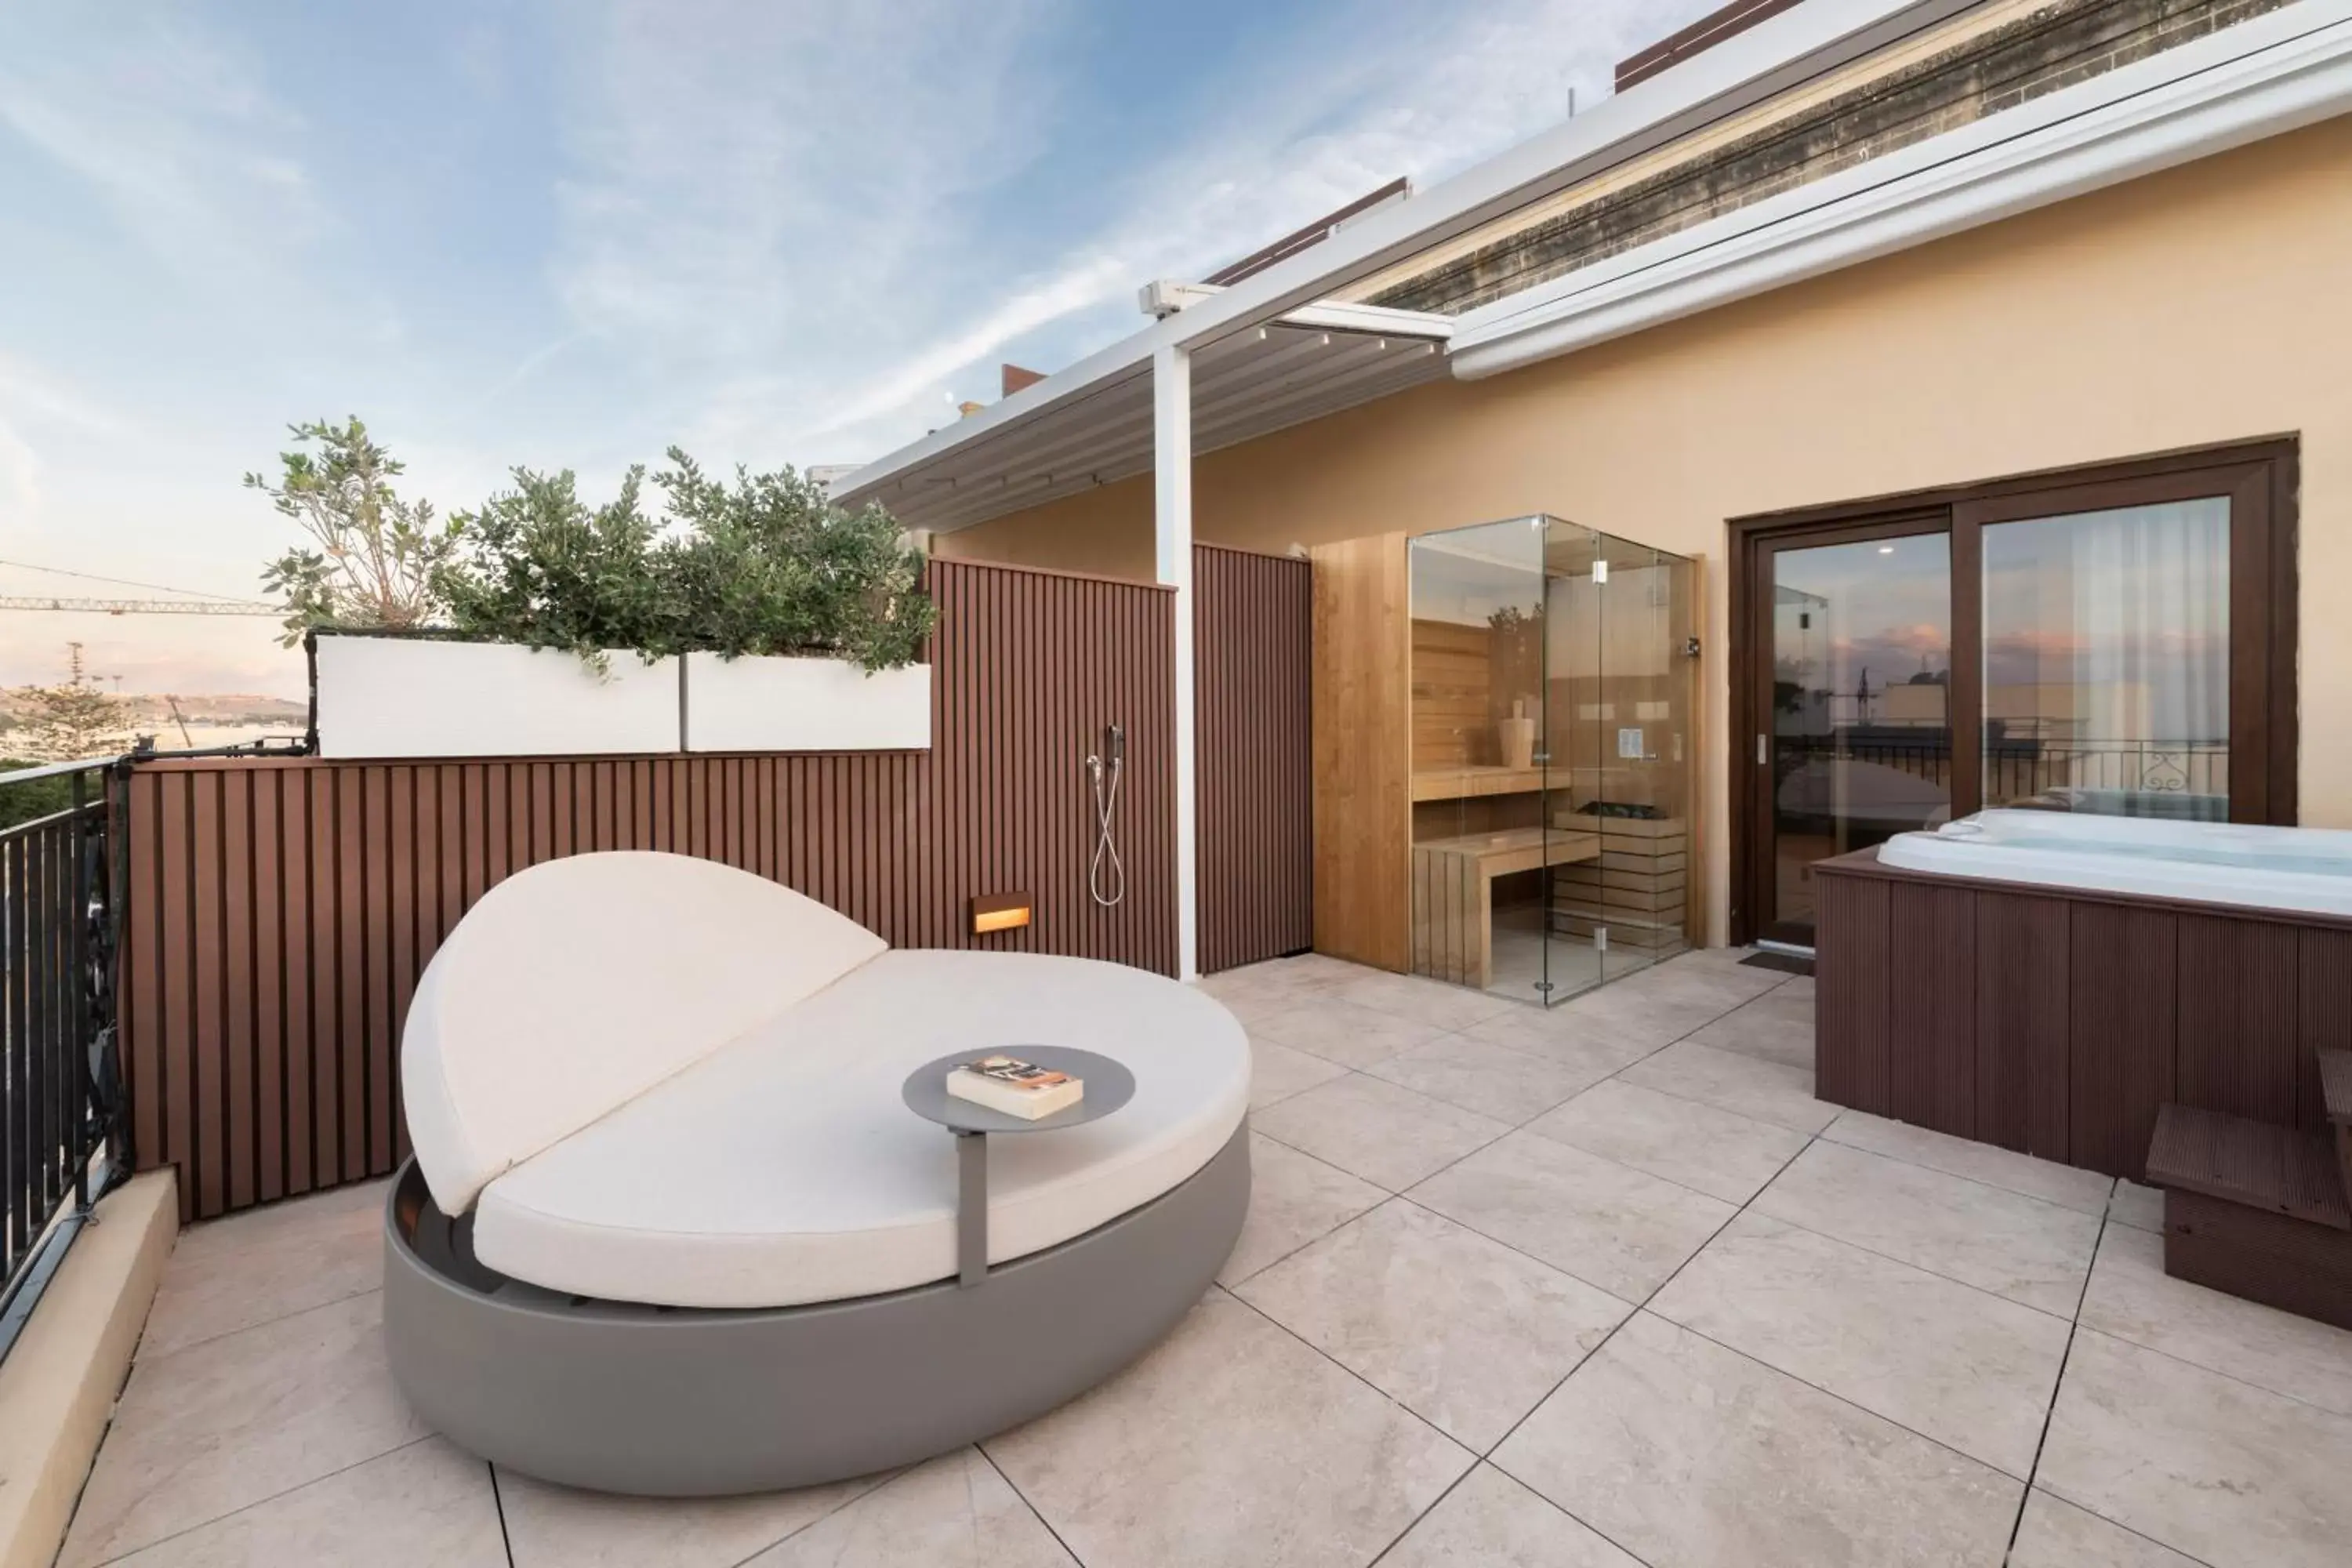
(174, 133)
(797, 201)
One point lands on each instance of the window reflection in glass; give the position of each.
(1860, 727)
(2106, 661)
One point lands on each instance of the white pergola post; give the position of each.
(1172, 458)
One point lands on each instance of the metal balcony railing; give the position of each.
(60, 1092)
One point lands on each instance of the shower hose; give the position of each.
(1106, 873)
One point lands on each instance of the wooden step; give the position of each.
(2255, 1164)
(2335, 1098)
(2290, 1264)
(2255, 1210)
(2335, 1086)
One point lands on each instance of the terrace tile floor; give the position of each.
(1587, 1289)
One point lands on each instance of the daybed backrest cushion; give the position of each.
(576, 985)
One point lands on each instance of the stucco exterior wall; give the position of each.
(2208, 304)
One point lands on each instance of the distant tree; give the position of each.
(66, 722)
(373, 557)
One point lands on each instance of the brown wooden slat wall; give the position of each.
(2056, 1023)
(1253, 621)
(280, 912)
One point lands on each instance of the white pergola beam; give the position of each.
(1171, 512)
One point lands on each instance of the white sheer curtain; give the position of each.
(2107, 659)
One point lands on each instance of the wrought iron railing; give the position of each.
(60, 1089)
(2017, 768)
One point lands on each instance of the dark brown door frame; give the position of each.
(2261, 478)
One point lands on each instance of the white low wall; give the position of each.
(804, 705)
(424, 697)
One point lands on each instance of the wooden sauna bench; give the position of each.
(1453, 902)
(1471, 783)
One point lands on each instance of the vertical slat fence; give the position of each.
(1253, 629)
(281, 910)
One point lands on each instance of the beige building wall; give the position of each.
(2208, 304)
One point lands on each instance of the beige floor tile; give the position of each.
(1719, 1154)
(1591, 1049)
(1375, 1129)
(1689, 1453)
(1492, 1521)
(1312, 970)
(1254, 997)
(2029, 1251)
(1231, 1444)
(426, 1503)
(2085, 1192)
(223, 1424)
(1493, 1080)
(1777, 1027)
(1636, 1021)
(1468, 1334)
(1343, 1032)
(2056, 1535)
(2222, 1471)
(1277, 1072)
(954, 1512)
(2140, 1207)
(1948, 1361)
(1760, 1090)
(1698, 979)
(2132, 1298)
(1447, 1009)
(1607, 1223)
(1294, 1199)
(230, 1274)
(556, 1527)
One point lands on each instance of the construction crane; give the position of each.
(141, 606)
(192, 602)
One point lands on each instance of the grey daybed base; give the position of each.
(694, 1402)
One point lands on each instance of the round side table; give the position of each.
(1110, 1085)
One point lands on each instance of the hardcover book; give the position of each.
(1014, 1086)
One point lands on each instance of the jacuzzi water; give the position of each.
(2301, 868)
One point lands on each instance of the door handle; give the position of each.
(1763, 749)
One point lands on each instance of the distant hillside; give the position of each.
(144, 711)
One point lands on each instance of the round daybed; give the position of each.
(670, 1229)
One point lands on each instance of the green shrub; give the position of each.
(541, 568)
(770, 565)
(766, 565)
(41, 797)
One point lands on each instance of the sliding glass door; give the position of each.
(1857, 741)
(2118, 641)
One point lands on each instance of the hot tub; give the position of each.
(2306, 869)
(2049, 981)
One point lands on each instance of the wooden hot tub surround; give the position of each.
(2057, 1021)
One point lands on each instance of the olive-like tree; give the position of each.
(373, 558)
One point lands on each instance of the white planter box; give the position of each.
(423, 696)
(804, 705)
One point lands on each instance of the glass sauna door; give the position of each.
(1621, 687)
(1552, 687)
(1477, 726)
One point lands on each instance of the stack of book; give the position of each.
(1014, 1086)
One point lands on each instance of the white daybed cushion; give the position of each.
(786, 1169)
(576, 985)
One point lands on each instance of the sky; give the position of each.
(569, 233)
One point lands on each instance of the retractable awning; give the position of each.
(1312, 361)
